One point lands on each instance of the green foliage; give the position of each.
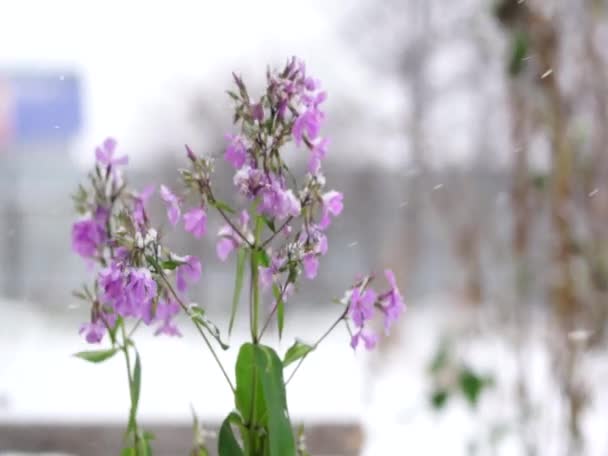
(278, 296)
(439, 398)
(295, 352)
(238, 285)
(261, 399)
(519, 52)
(472, 384)
(134, 389)
(451, 377)
(96, 356)
(227, 443)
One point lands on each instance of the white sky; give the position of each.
(142, 61)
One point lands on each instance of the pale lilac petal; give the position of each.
(311, 265)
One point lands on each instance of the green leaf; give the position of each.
(439, 398)
(278, 296)
(223, 206)
(296, 351)
(96, 356)
(261, 258)
(134, 390)
(170, 264)
(238, 286)
(145, 449)
(128, 452)
(518, 54)
(227, 443)
(248, 386)
(471, 385)
(270, 371)
(269, 223)
(260, 396)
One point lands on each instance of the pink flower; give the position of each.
(332, 204)
(362, 306)
(310, 261)
(391, 301)
(94, 331)
(105, 154)
(189, 272)
(172, 202)
(139, 208)
(195, 222)
(229, 239)
(87, 237)
(369, 339)
(236, 152)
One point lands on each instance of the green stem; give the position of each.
(132, 427)
(201, 332)
(316, 344)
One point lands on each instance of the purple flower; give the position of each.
(105, 154)
(94, 331)
(332, 204)
(309, 123)
(278, 201)
(189, 272)
(172, 202)
(195, 222)
(236, 152)
(369, 339)
(362, 306)
(249, 181)
(141, 290)
(87, 236)
(392, 302)
(111, 281)
(257, 111)
(318, 153)
(165, 311)
(139, 208)
(229, 240)
(310, 261)
(267, 275)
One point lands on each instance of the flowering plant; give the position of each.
(278, 236)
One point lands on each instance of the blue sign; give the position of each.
(37, 107)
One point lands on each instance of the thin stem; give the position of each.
(273, 235)
(134, 328)
(213, 202)
(125, 350)
(201, 332)
(316, 344)
(274, 309)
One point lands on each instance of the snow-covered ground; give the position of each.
(387, 391)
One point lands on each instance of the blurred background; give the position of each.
(469, 139)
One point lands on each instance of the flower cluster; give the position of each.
(115, 232)
(284, 225)
(363, 303)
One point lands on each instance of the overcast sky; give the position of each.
(141, 62)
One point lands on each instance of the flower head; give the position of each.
(230, 240)
(87, 237)
(93, 331)
(189, 272)
(236, 152)
(362, 306)
(391, 301)
(332, 204)
(369, 339)
(195, 222)
(105, 154)
(172, 202)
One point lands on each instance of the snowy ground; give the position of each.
(387, 391)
